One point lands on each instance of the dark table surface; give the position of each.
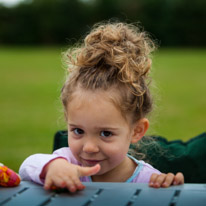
(105, 194)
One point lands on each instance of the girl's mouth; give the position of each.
(91, 162)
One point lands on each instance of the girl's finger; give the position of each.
(88, 171)
(153, 179)
(59, 182)
(70, 185)
(159, 180)
(178, 179)
(78, 184)
(168, 180)
(48, 183)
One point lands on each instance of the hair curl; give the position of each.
(113, 55)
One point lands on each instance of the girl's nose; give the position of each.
(90, 147)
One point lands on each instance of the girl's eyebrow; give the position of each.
(96, 128)
(74, 125)
(106, 128)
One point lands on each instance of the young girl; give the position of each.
(106, 100)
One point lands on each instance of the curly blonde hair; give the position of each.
(113, 55)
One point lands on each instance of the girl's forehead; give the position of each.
(94, 108)
(83, 98)
(107, 98)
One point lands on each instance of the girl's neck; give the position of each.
(119, 174)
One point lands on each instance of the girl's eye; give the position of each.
(78, 131)
(106, 134)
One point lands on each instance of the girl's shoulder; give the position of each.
(142, 172)
(148, 168)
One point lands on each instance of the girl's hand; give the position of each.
(59, 173)
(165, 180)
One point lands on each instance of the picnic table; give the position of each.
(105, 194)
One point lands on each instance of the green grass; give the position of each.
(31, 80)
(179, 76)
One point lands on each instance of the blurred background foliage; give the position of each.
(34, 33)
(173, 22)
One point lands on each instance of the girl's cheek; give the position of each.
(116, 154)
(75, 146)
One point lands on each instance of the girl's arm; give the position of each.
(32, 166)
(166, 180)
(55, 170)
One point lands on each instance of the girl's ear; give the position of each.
(139, 130)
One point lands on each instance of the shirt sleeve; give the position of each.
(32, 166)
(146, 171)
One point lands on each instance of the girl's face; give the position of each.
(98, 133)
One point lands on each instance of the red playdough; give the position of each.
(8, 178)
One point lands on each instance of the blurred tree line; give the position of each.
(172, 22)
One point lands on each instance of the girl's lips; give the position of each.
(92, 162)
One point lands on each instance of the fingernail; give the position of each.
(72, 189)
(81, 187)
(46, 188)
(53, 187)
(151, 183)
